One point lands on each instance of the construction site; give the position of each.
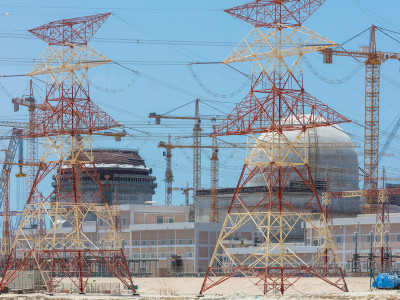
(128, 172)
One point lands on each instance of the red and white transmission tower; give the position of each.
(382, 253)
(277, 103)
(65, 122)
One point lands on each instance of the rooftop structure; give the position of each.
(123, 173)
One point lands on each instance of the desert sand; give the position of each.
(235, 288)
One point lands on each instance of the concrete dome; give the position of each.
(340, 162)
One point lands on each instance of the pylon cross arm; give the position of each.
(77, 31)
(267, 13)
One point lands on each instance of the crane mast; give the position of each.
(32, 152)
(169, 178)
(371, 133)
(196, 151)
(32, 145)
(5, 191)
(214, 182)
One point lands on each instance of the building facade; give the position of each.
(123, 175)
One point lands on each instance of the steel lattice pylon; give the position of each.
(277, 103)
(65, 122)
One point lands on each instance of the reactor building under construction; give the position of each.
(329, 151)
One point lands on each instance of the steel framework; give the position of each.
(277, 103)
(5, 193)
(32, 156)
(373, 62)
(65, 122)
(169, 177)
(214, 182)
(381, 254)
(196, 145)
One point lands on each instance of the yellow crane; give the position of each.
(373, 61)
(214, 184)
(185, 191)
(196, 143)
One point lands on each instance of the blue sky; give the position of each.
(161, 37)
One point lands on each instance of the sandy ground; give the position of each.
(235, 288)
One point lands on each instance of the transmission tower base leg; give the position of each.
(272, 265)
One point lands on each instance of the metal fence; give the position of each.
(91, 288)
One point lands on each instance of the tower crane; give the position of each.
(214, 181)
(216, 145)
(169, 178)
(5, 190)
(214, 168)
(185, 191)
(373, 62)
(31, 145)
(196, 139)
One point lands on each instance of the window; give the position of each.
(171, 220)
(124, 243)
(152, 255)
(152, 243)
(171, 254)
(190, 242)
(368, 238)
(162, 254)
(65, 225)
(338, 240)
(315, 242)
(180, 242)
(172, 242)
(101, 223)
(398, 238)
(135, 243)
(124, 221)
(144, 243)
(160, 220)
(307, 242)
(136, 255)
(162, 242)
(143, 255)
(354, 238)
(190, 254)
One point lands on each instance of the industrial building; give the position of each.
(306, 204)
(155, 237)
(123, 175)
(347, 231)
